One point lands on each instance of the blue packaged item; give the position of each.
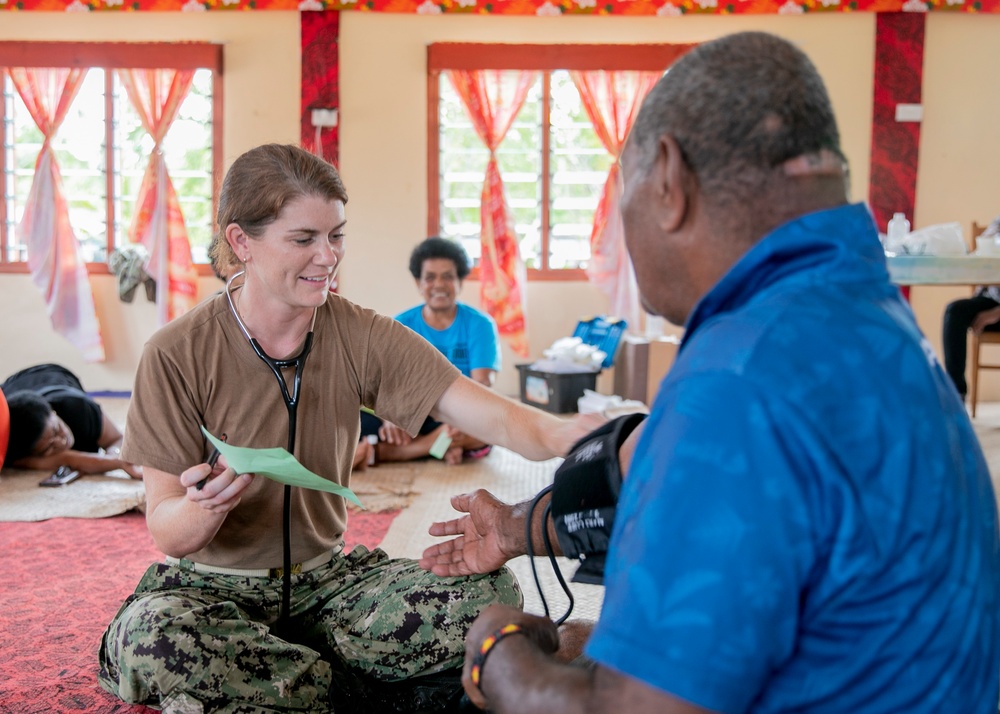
(559, 392)
(604, 333)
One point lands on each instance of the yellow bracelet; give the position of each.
(486, 647)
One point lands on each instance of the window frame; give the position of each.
(443, 56)
(111, 56)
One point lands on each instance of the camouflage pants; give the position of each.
(195, 641)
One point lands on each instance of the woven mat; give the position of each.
(387, 487)
(21, 498)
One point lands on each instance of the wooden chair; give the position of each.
(987, 338)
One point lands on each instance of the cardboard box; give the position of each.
(641, 365)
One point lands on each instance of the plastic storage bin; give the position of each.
(558, 392)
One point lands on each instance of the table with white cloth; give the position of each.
(944, 269)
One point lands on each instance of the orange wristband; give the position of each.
(487, 646)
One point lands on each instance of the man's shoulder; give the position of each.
(474, 314)
(411, 316)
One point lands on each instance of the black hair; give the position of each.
(439, 248)
(739, 107)
(29, 413)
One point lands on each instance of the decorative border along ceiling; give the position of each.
(663, 8)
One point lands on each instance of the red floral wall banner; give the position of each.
(899, 63)
(666, 8)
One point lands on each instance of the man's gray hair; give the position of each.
(739, 107)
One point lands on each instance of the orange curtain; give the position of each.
(612, 100)
(53, 250)
(158, 223)
(492, 104)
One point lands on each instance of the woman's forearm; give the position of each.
(179, 526)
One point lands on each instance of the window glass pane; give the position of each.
(132, 146)
(462, 166)
(24, 141)
(520, 158)
(79, 150)
(187, 149)
(579, 168)
(189, 159)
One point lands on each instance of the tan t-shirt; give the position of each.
(201, 370)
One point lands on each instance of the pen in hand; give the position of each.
(213, 457)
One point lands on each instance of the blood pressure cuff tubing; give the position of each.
(585, 495)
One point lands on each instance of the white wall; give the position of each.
(261, 91)
(383, 96)
(959, 172)
(383, 141)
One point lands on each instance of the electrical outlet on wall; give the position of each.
(324, 118)
(909, 112)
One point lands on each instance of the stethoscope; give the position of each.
(291, 405)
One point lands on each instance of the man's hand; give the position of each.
(985, 319)
(538, 630)
(488, 536)
(392, 434)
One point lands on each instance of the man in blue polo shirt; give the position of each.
(466, 336)
(807, 524)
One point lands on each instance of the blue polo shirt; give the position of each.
(471, 342)
(808, 524)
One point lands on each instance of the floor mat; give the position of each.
(63, 580)
(96, 496)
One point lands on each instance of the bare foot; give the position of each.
(361, 454)
(453, 456)
(468, 443)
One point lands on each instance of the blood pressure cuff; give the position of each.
(585, 496)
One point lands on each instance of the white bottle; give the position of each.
(897, 231)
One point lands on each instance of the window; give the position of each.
(553, 165)
(101, 148)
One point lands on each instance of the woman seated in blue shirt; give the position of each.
(466, 336)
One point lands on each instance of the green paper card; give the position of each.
(278, 465)
(440, 445)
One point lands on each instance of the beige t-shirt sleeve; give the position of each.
(162, 425)
(405, 375)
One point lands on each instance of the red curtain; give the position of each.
(158, 223)
(492, 99)
(53, 250)
(612, 100)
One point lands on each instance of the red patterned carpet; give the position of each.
(61, 582)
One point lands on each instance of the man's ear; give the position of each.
(673, 183)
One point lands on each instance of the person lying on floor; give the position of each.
(53, 423)
(256, 606)
(466, 336)
(807, 523)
